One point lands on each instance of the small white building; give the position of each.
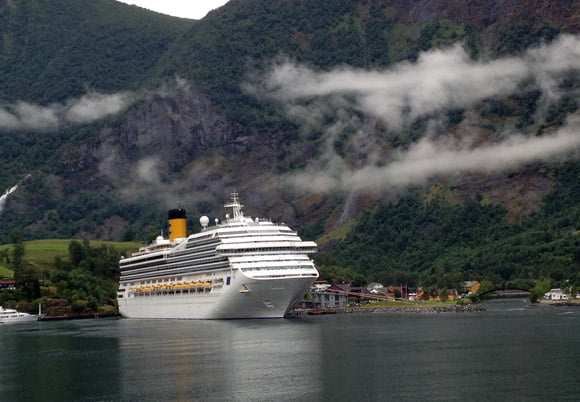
(375, 288)
(320, 287)
(556, 294)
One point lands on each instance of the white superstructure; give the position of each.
(239, 268)
(11, 316)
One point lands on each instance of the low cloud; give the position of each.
(96, 106)
(439, 81)
(149, 179)
(86, 109)
(429, 159)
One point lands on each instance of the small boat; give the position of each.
(321, 312)
(11, 316)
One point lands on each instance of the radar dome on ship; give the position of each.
(204, 221)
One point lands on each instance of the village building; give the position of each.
(397, 293)
(324, 300)
(450, 294)
(8, 284)
(471, 287)
(556, 294)
(358, 293)
(375, 288)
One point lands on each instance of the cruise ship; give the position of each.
(237, 268)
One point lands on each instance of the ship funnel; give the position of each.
(177, 224)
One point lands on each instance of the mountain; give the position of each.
(318, 113)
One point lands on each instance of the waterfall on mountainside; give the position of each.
(9, 191)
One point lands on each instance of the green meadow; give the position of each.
(42, 253)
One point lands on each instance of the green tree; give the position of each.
(5, 255)
(18, 251)
(128, 234)
(541, 288)
(485, 286)
(76, 253)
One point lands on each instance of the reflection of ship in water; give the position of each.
(242, 360)
(239, 268)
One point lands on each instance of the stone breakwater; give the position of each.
(455, 308)
(464, 308)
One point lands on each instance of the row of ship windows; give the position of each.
(261, 236)
(192, 243)
(165, 281)
(153, 258)
(187, 258)
(170, 292)
(255, 231)
(286, 267)
(246, 232)
(183, 271)
(201, 258)
(188, 253)
(285, 276)
(169, 266)
(157, 281)
(268, 250)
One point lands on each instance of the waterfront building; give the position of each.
(324, 299)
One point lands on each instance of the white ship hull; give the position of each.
(243, 298)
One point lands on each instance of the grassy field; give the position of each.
(339, 233)
(5, 273)
(41, 253)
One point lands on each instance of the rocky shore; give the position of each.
(455, 308)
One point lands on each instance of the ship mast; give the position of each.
(236, 207)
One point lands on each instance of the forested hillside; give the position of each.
(430, 142)
(434, 242)
(57, 50)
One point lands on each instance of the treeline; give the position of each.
(434, 242)
(86, 282)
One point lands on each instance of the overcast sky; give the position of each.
(194, 9)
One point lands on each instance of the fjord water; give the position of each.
(510, 352)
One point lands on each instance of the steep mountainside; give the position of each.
(314, 111)
(57, 50)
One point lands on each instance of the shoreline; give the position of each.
(558, 303)
(78, 317)
(456, 308)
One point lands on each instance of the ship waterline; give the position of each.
(241, 268)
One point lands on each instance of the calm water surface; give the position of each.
(509, 352)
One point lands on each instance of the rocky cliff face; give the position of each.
(168, 130)
(176, 148)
